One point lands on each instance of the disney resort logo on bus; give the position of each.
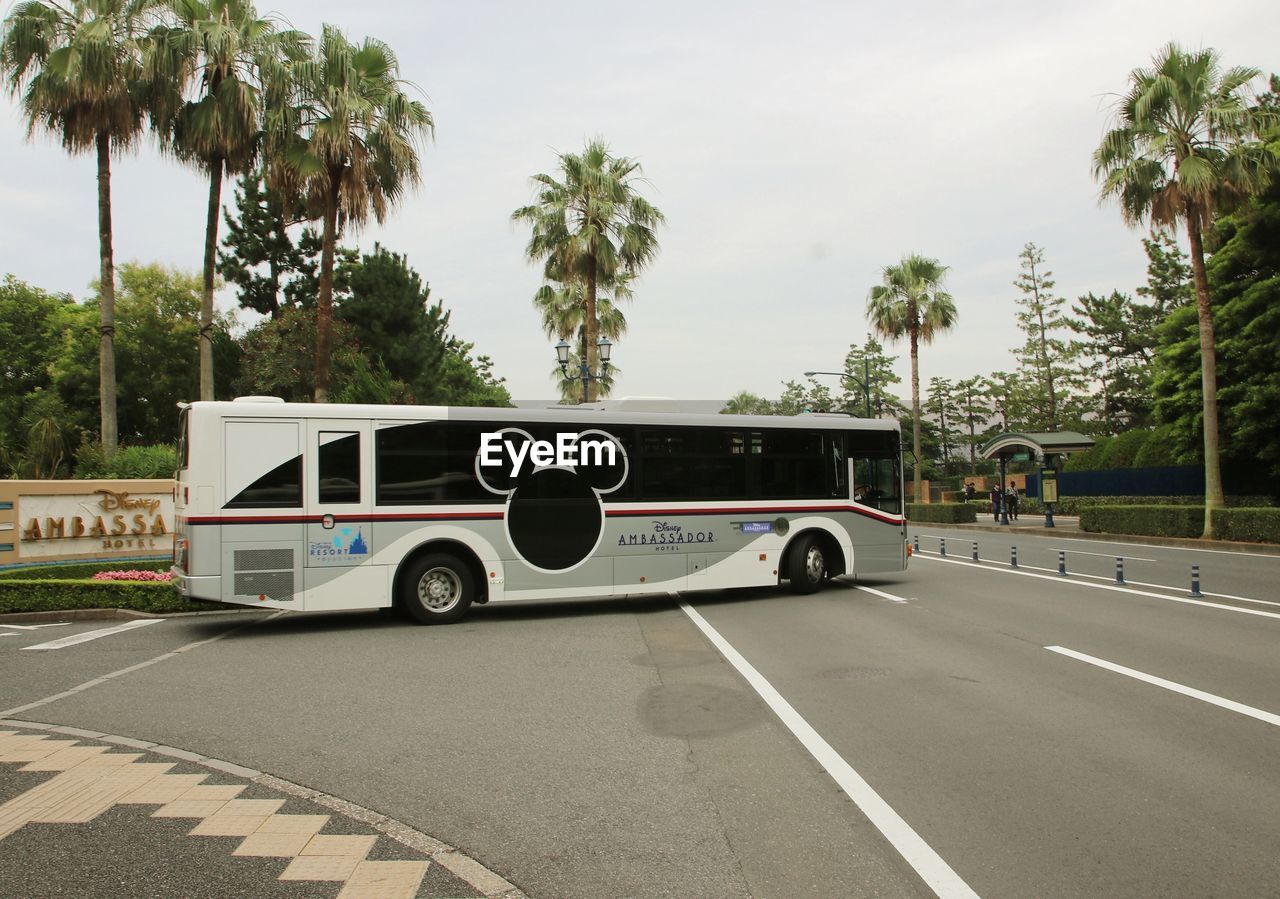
(343, 547)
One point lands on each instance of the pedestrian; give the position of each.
(969, 491)
(1011, 497)
(995, 500)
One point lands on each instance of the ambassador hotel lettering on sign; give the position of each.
(106, 521)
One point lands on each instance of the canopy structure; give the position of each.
(1043, 444)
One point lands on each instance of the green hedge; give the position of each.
(953, 513)
(1248, 525)
(1151, 521)
(61, 595)
(1071, 505)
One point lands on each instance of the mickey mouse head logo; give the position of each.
(555, 515)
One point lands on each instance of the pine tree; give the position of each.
(1046, 359)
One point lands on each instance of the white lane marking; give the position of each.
(107, 678)
(1113, 587)
(879, 593)
(1193, 549)
(928, 864)
(75, 639)
(1081, 552)
(1171, 685)
(32, 627)
(1104, 577)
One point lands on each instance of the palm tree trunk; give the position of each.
(915, 407)
(107, 291)
(1213, 496)
(324, 302)
(591, 326)
(206, 299)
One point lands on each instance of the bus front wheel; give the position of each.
(438, 589)
(807, 566)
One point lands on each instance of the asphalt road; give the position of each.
(609, 748)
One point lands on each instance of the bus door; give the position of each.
(339, 497)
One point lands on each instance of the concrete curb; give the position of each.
(108, 615)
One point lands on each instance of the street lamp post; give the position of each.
(585, 375)
(865, 383)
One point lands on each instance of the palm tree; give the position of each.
(76, 67)
(226, 51)
(348, 142)
(592, 227)
(563, 312)
(911, 303)
(1184, 145)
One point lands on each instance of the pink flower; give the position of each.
(132, 575)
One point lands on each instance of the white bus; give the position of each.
(430, 509)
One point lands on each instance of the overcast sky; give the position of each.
(795, 149)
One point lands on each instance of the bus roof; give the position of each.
(263, 407)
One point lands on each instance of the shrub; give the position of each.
(61, 595)
(159, 461)
(952, 513)
(1071, 505)
(1090, 459)
(1159, 451)
(1151, 521)
(1249, 525)
(1123, 449)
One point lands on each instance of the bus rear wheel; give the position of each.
(807, 566)
(438, 589)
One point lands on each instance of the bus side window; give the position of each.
(338, 467)
(249, 445)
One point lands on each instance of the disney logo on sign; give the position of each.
(568, 451)
(661, 527)
(112, 500)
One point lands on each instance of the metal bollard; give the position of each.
(1062, 563)
(975, 550)
(1195, 581)
(1119, 569)
(917, 543)
(942, 546)
(1013, 557)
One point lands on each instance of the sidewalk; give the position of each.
(85, 813)
(1069, 525)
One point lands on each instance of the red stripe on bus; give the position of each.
(497, 516)
(347, 519)
(750, 510)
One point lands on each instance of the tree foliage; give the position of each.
(346, 138)
(911, 302)
(591, 229)
(1186, 146)
(77, 68)
(1048, 360)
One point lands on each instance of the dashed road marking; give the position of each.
(1219, 701)
(85, 637)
